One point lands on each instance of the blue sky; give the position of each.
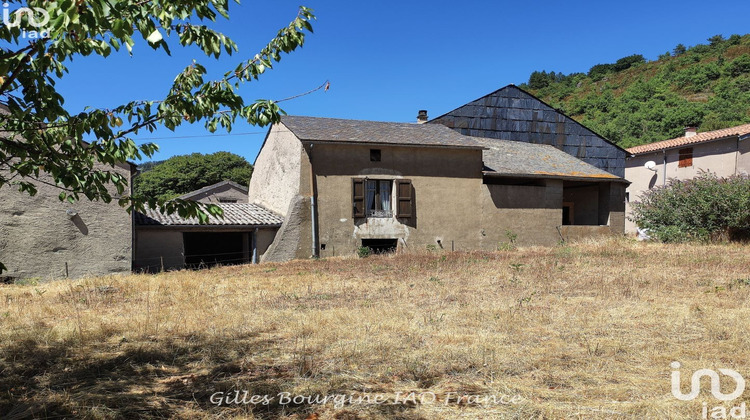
(386, 60)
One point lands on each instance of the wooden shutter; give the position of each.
(405, 198)
(686, 158)
(358, 197)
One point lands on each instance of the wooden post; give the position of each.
(162, 263)
(66, 270)
(452, 247)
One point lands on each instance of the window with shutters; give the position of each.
(375, 198)
(686, 158)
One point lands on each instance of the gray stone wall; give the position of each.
(38, 236)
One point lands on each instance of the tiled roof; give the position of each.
(739, 130)
(375, 132)
(516, 158)
(211, 187)
(235, 214)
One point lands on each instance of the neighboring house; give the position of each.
(44, 238)
(221, 192)
(342, 184)
(724, 152)
(166, 242)
(511, 113)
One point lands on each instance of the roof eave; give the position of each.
(680, 146)
(362, 143)
(493, 174)
(207, 226)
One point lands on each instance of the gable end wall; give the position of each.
(513, 114)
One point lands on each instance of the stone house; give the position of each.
(168, 242)
(725, 152)
(511, 113)
(44, 238)
(342, 184)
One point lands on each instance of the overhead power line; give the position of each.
(201, 136)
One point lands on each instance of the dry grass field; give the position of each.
(581, 331)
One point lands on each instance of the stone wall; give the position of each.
(38, 236)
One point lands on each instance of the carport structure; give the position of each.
(169, 242)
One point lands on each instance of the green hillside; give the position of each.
(635, 101)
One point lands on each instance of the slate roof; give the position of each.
(211, 187)
(511, 113)
(375, 132)
(515, 158)
(235, 214)
(740, 130)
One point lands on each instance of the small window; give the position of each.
(686, 158)
(374, 155)
(378, 198)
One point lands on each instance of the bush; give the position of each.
(364, 252)
(703, 208)
(738, 66)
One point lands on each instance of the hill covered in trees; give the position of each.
(635, 101)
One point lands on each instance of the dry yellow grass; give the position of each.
(582, 331)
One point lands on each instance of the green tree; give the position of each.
(182, 174)
(41, 135)
(679, 50)
(628, 62)
(538, 80)
(716, 40)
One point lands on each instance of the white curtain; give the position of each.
(385, 195)
(370, 205)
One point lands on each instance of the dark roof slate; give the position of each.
(511, 113)
(375, 132)
(515, 158)
(235, 214)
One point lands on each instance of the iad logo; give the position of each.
(36, 17)
(695, 384)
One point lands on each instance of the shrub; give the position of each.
(364, 251)
(703, 208)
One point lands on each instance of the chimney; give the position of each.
(422, 116)
(691, 131)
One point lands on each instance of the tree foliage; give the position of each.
(182, 174)
(634, 102)
(41, 136)
(701, 208)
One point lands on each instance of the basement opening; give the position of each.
(380, 246)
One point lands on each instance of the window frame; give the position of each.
(378, 211)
